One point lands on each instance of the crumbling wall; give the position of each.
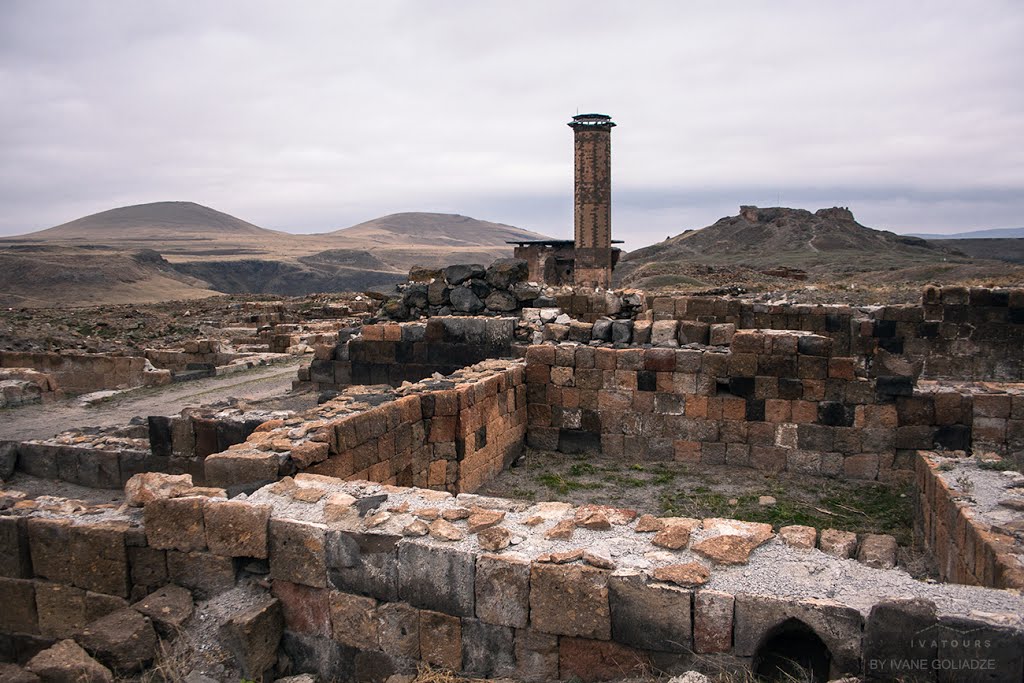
(773, 400)
(373, 580)
(81, 373)
(108, 458)
(452, 434)
(22, 386)
(393, 353)
(967, 548)
(955, 333)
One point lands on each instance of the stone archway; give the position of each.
(792, 651)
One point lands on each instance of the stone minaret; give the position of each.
(593, 267)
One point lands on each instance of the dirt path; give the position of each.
(40, 422)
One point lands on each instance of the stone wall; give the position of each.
(108, 458)
(392, 353)
(955, 333)
(465, 289)
(373, 580)
(454, 434)
(774, 400)
(81, 373)
(966, 546)
(22, 386)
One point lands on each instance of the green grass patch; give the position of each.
(1004, 465)
(869, 508)
(582, 468)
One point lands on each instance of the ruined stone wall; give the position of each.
(23, 386)
(81, 373)
(966, 548)
(373, 580)
(392, 353)
(107, 459)
(956, 332)
(452, 434)
(772, 400)
(775, 401)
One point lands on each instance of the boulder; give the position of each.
(123, 640)
(12, 673)
(494, 539)
(505, 272)
(878, 551)
(415, 296)
(726, 548)
(253, 636)
(168, 608)
(424, 274)
(526, 291)
(687, 575)
(501, 300)
(478, 287)
(841, 544)
(464, 300)
(622, 331)
(602, 330)
(66, 662)
(457, 274)
(146, 487)
(438, 293)
(395, 310)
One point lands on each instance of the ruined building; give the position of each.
(589, 258)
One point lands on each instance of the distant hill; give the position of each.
(997, 233)
(154, 221)
(202, 249)
(827, 242)
(1011, 250)
(61, 275)
(437, 229)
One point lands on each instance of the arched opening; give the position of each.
(792, 651)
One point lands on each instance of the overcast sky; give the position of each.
(311, 116)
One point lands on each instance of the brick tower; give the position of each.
(594, 259)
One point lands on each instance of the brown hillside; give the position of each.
(154, 221)
(216, 251)
(32, 276)
(827, 243)
(436, 229)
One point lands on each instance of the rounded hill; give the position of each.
(156, 220)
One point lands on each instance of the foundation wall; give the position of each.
(955, 333)
(763, 404)
(452, 434)
(773, 401)
(393, 353)
(360, 603)
(966, 549)
(84, 373)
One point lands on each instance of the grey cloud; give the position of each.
(315, 115)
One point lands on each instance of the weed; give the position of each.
(582, 468)
(562, 485)
(1001, 465)
(964, 483)
(665, 477)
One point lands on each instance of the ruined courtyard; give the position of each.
(529, 482)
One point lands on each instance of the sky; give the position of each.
(312, 116)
